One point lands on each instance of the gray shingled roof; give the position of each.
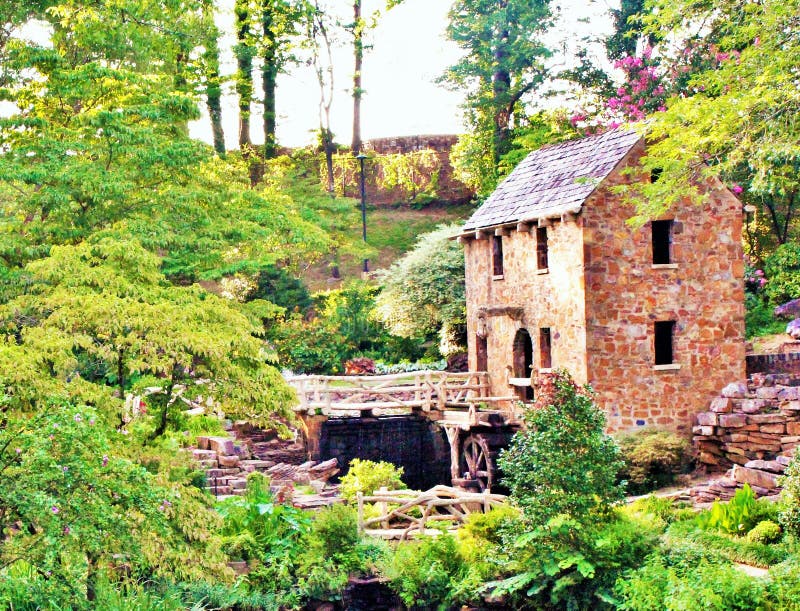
(553, 180)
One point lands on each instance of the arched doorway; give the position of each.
(523, 360)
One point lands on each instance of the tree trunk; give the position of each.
(269, 76)
(501, 87)
(214, 85)
(358, 54)
(244, 77)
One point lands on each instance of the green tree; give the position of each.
(503, 61)
(423, 292)
(563, 463)
(741, 114)
(99, 320)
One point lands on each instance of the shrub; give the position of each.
(276, 285)
(759, 318)
(737, 516)
(367, 476)
(765, 531)
(789, 517)
(563, 462)
(784, 585)
(783, 273)
(652, 458)
(423, 572)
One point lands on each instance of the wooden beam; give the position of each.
(568, 217)
(502, 231)
(523, 227)
(545, 222)
(480, 235)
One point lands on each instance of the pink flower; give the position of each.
(78, 418)
(737, 189)
(105, 459)
(19, 450)
(66, 530)
(55, 509)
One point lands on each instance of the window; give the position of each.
(664, 332)
(545, 359)
(541, 247)
(662, 240)
(655, 174)
(497, 255)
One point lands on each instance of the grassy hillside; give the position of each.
(391, 231)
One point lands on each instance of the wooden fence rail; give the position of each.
(423, 390)
(408, 513)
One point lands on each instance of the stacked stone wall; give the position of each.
(551, 299)
(774, 363)
(702, 290)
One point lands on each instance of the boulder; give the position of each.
(793, 329)
(221, 445)
(773, 466)
(707, 419)
(790, 309)
(720, 405)
(734, 390)
(229, 461)
(755, 477)
(731, 421)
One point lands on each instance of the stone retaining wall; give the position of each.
(774, 363)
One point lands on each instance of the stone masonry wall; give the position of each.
(788, 363)
(702, 290)
(552, 298)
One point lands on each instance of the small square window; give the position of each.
(541, 248)
(663, 343)
(497, 255)
(662, 242)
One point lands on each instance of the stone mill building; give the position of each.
(651, 317)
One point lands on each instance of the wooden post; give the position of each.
(360, 499)
(382, 507)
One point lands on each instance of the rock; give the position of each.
(793, 329)
(215, 473)
(790, 309)
(773, 429)
(784, 460)
(202, 443)
(221, 445)
(735, 390)
(239, 567)
(753, 406)
(707, 419)
(791, 405)
(204, 454)
(773, 466)
(793, 428)
(720, 405)
(703, 430)
(789, 393)
(238, 484)
(228, 461)
(755, 477)
(766, 419)
(767, 392)
(731, 421)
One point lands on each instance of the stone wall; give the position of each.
(449, 189)
(702, 290)
(774, 363)
(551, 298)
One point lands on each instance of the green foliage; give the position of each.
(276, 285)
(255, 526)
(759, 318)
(367, 476)
(80, 506)
(733, 548)
(423, 293)
(784, 586)
(652, 458)
(737, 516)
(783, 274)
(745, 87)
(565, 565)
(687, 577)
(766, 531)
(423, 572)
(789, 516)
(563, 462)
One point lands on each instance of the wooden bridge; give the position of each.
(391, 394)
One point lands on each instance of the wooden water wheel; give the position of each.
(478, 460)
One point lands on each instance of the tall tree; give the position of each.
(503, 60)
(245, 51)
(358, 28)
(213, 79)
(320, 37)
(739, 118)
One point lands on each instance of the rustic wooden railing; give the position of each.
(408, 513)
(425, 390)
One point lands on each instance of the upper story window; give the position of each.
(541, 248)
(545, 358)
(662, 242)
(497, 255)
